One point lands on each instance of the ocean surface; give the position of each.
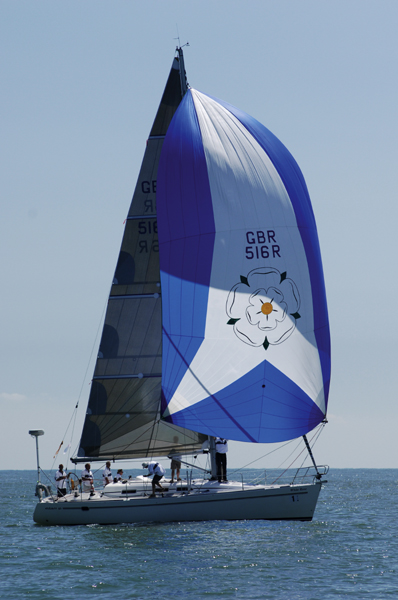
(349, 550)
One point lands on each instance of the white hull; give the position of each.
(285, 502)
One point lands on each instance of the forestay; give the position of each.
(246, 350)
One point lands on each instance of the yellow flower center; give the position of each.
(266, 308)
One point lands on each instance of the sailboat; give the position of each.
(216, 323)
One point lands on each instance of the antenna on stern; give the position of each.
(36, 433)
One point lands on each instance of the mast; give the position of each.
(183, 75)
(213, 464)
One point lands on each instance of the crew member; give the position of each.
(107, 474)
(157, 471)
(221, 458)
(175, 466)
(87, 479)
(60, 478)
(119, 477)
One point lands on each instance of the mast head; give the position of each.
(183, 75)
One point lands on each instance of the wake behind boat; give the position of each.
(216, 323)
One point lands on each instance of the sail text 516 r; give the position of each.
(262, 244)
(148, 229)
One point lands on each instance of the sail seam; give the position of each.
(134, 296)
(138, 376)
(135, 217)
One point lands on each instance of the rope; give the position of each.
(317, 434)
(264, 456)
(74, 413)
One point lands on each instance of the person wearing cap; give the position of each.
(60, 479)
(107, 474)
(221, 459)
(87, 479)
(157, 471)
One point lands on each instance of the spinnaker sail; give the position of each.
(246, 349)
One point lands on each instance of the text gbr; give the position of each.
(262, 244)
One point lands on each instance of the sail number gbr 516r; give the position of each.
(262, 244)
(149, 229)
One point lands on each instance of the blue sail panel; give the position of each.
(186, 243)
(243, 297)
(250, 410)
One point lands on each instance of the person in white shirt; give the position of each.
(107, 474)
(157, 471)
(60, 479)
(119, 477)
(87, 479)
(221, 458)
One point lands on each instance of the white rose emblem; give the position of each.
(263, 307)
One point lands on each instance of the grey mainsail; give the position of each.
(123, 414)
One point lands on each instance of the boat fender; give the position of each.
(40, 488)
(72, 485)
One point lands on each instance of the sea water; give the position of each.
(349, 550)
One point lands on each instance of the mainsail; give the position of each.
(123, 415)
(246, 348)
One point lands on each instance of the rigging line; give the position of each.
(302, 462)
(74, 413)
(153, 435)
(292, 452)
(297, 457)
(71, 437)
(287, 458)
(64, 437)
(101, 321)
(287, 468)
(317, 433)
(206, 468)
(322, 425)
(178, 36)
(261, 457)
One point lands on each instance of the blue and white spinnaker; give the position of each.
(246, 348)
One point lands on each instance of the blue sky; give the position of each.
(81, 83)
